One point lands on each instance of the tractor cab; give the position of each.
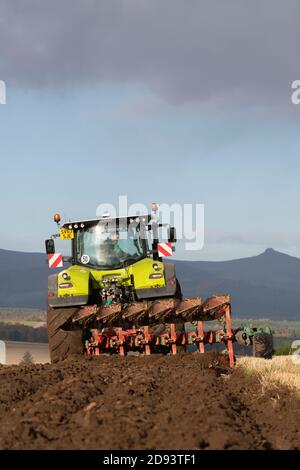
(112, 243)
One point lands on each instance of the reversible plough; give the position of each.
(167, 338)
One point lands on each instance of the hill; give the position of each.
(267, 285)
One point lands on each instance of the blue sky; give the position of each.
(70, 151)
(198, 111)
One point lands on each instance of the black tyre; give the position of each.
(62, 342)
(263, 346)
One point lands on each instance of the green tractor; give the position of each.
(119, 295)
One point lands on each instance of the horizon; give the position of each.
(266, 251)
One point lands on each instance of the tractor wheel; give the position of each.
(62, 343)
(263, 346)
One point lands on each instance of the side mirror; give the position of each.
(172, 237)
(50, 247)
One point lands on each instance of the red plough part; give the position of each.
(114, 340)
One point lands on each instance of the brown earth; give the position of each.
(154, 403)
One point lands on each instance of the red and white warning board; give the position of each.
(165, 249)
(55, 261)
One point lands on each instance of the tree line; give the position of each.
(18, 332)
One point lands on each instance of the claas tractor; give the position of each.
(119, 293)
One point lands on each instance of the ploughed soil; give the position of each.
(154, 403)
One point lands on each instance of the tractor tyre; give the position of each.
(263, 345)
(62, 343)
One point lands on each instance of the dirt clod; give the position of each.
(156, 402)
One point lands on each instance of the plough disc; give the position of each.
(158, 311)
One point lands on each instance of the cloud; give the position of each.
(183, 51)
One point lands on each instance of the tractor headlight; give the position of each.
(65, 285)
(156, 267)
(156, 276)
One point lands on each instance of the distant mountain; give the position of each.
(23, 279)
(267, 285)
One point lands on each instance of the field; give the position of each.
(187, 401)
(20, 315)
(279, 371)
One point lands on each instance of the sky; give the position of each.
(168, 101)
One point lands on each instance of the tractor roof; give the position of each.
(105, 220)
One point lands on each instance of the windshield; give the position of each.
(99, 247)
